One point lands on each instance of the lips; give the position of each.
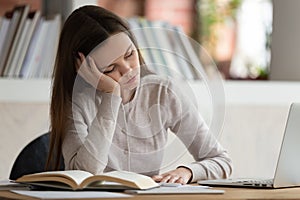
(131, 79)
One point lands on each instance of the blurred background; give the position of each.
(236, 33)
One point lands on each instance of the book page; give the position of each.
(76, 176)
(142, 181)
(126, 178)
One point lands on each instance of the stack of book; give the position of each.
(167, 50)
(28, 43)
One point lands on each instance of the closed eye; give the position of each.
(129, 54)
(109, 69)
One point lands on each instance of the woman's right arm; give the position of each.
(92, 122)
(90, 133)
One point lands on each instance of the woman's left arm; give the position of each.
(211, 159)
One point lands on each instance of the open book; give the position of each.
(79, 180)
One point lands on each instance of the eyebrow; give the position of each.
(103, 68)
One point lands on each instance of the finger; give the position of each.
(165, 179)
(92, 64)
(81, 56)
(157, 177)
(180, 180)
(173, 179)
(84, 63)
(86, 73)
(83, 71)
(95, 70)
(77, 64)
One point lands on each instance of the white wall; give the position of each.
(252, 134)
(20, 123)
(254, 121)
(79, 3)
(255, 116)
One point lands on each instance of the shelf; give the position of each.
(24, 90)
(262, 92)
(258, 92)
(236, 92)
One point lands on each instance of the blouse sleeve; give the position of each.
(90, 131)
(211, 159)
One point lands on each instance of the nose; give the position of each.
(125, 67)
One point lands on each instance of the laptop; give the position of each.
(287, 173)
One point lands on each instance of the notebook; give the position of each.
(287, 173)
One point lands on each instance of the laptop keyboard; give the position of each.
(262, 182)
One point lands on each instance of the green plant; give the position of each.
(213, 12)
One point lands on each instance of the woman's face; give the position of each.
(118, 58)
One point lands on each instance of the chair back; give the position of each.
(32, 158)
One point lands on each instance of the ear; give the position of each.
(79, 59)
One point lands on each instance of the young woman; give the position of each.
(108, 112)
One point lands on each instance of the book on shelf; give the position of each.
(166, 47)
(22, 25)
(178, 51)
(39, 58)
(163, 48)
(194, 62)
(158, 63)
(47, 62)
(142, 40)
(13, 17)
(27, 65)
(28, 43)
(80, 180)
(31, 23)
(3, 31)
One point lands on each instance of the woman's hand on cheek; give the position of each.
(88, 70)
(180, 175)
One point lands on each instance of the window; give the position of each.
(237, 34)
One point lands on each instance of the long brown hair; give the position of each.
(84, 29)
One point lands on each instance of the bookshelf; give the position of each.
(26, 53)
(28, 42)
(236, 92)
(24, 90)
